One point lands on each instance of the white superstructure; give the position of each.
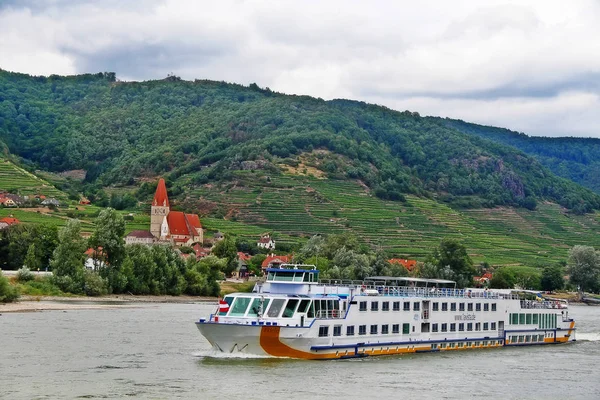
(293, 315)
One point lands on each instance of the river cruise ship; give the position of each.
(293, 314)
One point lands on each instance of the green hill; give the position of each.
(249, 160)
(17, 180)
(577, 159)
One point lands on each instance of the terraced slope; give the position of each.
(302, 206)
(16, 180)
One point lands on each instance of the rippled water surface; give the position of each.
(155, 351)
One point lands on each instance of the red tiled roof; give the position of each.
(160, 197)
(408, 264)
(177, 223)
(91, 251)
(194, 221)
(10, 220)
(265, 239)
(275, 259)
(141, 234)
(243, 256)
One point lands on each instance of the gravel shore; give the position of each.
(48, 303)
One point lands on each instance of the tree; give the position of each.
(8, 293)
(226, 249)
(31, 259)
(110, 228)
(503, 278)
(68, 258)
(584, 268)
(552, 278)
(452, 255)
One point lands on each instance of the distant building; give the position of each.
(265, 242)
(51, 202)
(140, 237)
(175, 226)
(218, 236)
(275, 261)
(84, 201)
(242, 268)
(201, 252)
(8, 221)
(408, 264)
(93, 260)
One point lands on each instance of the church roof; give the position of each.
(160, 197)
(177, 223)
(193, 220)
(141, 234)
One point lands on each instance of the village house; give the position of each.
(8, 221)
(275, 261)
(241, 270)
(200, 251)
(51, 202)
(265, 242)
(179, 228)
(93, 260)
(140, 237)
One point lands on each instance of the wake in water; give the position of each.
(218, 354)
(588, 336)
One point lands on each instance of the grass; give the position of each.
(233, 287)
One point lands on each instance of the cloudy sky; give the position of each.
(528, 65)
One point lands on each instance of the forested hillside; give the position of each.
(577, 159)
(200, 132)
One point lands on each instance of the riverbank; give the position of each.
(55, 303)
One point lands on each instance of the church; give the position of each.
(174, 226)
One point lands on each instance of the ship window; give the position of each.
(528, 319)
(434, 327)
(461, 327)
(461, 306)
(385, 306)
(493, 326)
(362, 306)
(477, 326)
(540, 338)
(323, 331)
(288, 312)
(405, 329)
(317, 304)
(374, 306)
(255, 307)
(452, 306)
(444, 306)
(373, 329)
(470, 326)
(521, 338)
(416, 306)
(460, 345)
(311, 310)
(406, 306)
(444, 327)
(452, 327)
(521, 319)
(493, 306)
(486, 307)
(435, 307)
(350, 330)
(485, 326)
(434, 346)
(514, 319)
(470, 307)
(239, 307)
(396, 328)
(527, 338)
(535, 319)
(385, 329)
(362, 329)
(478, 307)
(396, 306)
(303, 307)
(337, 330)
(275, 308)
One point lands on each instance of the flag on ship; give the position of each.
(223, 306)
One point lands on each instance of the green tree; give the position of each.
(452, 255)
(552, 278)
(584, 268)
(503, 278)
(32, 260)
(226, 249)
(68, 258)
(110, 228)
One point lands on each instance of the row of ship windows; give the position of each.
(406, 328)
(466, 344)
(385, 306)
(526, 338)
(543, 321)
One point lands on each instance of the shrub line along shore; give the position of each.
(53, 303)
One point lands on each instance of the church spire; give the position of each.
(160, 197)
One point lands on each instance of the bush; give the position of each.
(94, 284)
(8, 293)
(43, 286)
(25, 275)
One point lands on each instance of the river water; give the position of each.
(156, 352)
